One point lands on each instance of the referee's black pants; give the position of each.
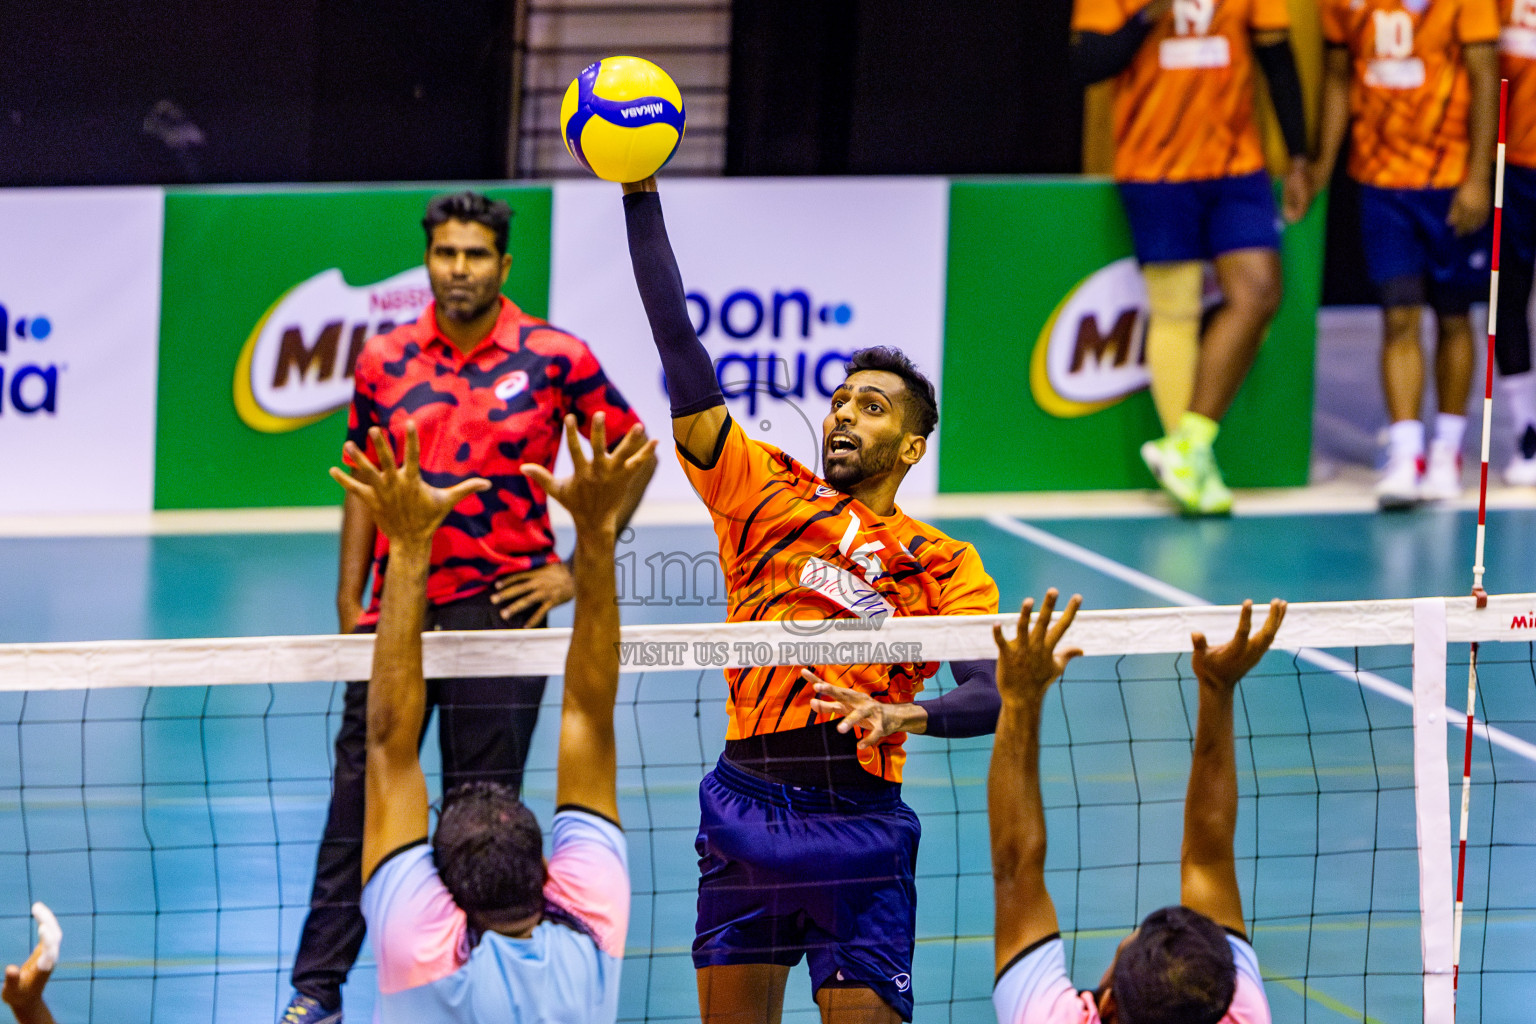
(484, 726)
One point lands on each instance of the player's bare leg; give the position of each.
(1250, 282)
(742, 993)
(1402, 383)
(1453, 363)
(1453, 382)
(1183, 461)
(1402, 362)
(854, 1006)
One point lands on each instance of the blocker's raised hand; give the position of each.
(1223, 666)
(405, 507)
(598, 488)
(1029, 663)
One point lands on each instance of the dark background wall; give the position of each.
(902, 87)
(187, 91)
(169, 91)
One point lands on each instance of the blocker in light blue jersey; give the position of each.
(567, 972)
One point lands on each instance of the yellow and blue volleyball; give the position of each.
(622, 118)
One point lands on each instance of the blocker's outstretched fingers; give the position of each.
(573, 441)
(412, 451)
(1244, 622)
(1057, 631)
(600, 438)
(464, 488)
(384, 449)
(350, 483)
(362, 466)
(1044, 621)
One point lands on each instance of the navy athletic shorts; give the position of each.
(1413, 256)
(787, 872)
(1176, 221)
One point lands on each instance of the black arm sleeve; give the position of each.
(691, 382)
(1096, 56)
(1279, 66)
(971, 708)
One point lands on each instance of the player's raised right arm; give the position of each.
(699, 417)
(1026, 667)
(596, 493)
(1207, 864)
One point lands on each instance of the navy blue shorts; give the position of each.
(1413, 256)
(787, 872)
(1174, 221)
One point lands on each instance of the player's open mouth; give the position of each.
(841, 444)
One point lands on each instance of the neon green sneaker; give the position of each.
(1180, 470)
(1215, 496)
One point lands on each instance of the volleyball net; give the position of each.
(166, 798)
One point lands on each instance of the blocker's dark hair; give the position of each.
(489, 852)
(472, 208)
(922, 413)
(1177, 969)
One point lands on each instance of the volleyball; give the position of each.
(622, 118)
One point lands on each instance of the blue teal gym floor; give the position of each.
(174, 832)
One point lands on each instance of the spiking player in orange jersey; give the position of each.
(1190, 168)
(806, 848)
(1517, 384)
(1419, 80)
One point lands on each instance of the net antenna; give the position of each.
(1478, 568)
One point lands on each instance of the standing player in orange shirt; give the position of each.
(1191, 172)
(1419, 80)
(805, 846)
(1517, 384)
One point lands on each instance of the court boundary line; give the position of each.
(1320, 659)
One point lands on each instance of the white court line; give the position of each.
(1168, 592)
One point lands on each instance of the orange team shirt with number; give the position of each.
(792, 547)
(1184, 105)
(1517, 62)
(1408, 95)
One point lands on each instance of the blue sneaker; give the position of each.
(304, 1010)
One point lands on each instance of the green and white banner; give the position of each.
(215, 327)
(268, 297)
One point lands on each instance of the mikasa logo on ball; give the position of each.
(296, 367)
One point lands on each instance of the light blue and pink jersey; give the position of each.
(429, 973)
(1035, 989)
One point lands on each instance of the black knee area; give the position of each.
(1406, 290)
(1449, 300)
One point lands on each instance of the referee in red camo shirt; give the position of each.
(488, 387)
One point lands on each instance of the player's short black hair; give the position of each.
(1177, 969)
(472, 208)
(489, 852)
(922, 413)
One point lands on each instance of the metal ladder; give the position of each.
(691, 39)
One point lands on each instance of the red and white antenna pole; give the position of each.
(1482, 526)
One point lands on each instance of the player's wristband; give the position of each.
(691, 382)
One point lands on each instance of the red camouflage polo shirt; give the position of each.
(484, 414)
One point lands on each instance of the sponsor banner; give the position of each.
(269, 297)
(1044, 363)
(79, 317)
(784, 280)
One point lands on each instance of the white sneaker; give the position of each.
(1398, 486)
(1520, 471)
(1442, 474)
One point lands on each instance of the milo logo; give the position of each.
(296, 366)
(1091, 353)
